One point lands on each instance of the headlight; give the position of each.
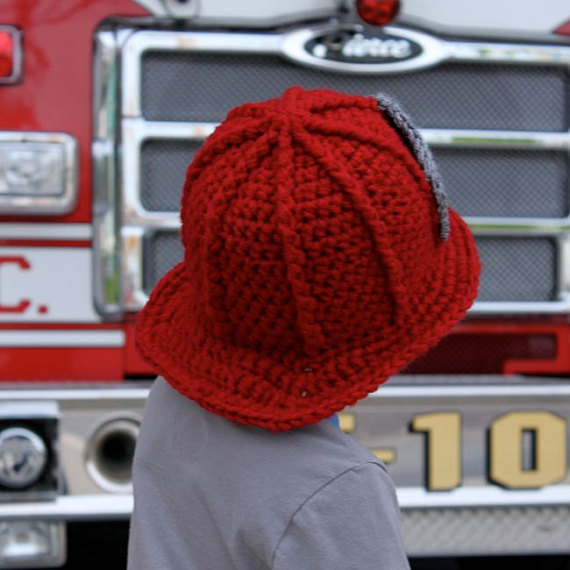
(23, 457)
(38, 173)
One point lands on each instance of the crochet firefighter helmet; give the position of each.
(320, 258)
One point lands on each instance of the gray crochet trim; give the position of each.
(423, 155)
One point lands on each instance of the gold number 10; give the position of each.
(443, 449)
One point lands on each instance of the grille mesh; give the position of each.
(163, 167)
(187, 86)
(479, 182)
(505, 182)
(514, 269)
(517, 269)
(163, 250)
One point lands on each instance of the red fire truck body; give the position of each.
(103, 104)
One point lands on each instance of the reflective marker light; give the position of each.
(37, 173)
(32, 544)
(377, 12)
(10, 54)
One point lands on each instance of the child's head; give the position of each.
(320, 258)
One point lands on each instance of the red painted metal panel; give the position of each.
(56, 92)
(61, 364)
(134, 364)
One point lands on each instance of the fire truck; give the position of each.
(103, 103)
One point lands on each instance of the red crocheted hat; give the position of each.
(320, 258)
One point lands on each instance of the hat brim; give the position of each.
(211, 372)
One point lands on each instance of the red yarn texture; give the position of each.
(313, 268)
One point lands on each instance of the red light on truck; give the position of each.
(563, 29)
(6, 54)
(377, 12)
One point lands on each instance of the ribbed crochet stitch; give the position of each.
(319, 260)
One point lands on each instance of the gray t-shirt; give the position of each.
(211, 494)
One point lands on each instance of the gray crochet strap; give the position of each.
(420, 150)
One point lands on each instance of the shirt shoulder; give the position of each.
(351, 521)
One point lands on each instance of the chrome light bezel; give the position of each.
(57, 204)
(17, 62)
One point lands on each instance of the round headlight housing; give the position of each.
(23, 457)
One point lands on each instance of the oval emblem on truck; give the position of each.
(351, 49)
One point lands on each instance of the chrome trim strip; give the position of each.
(564, 268)
(71, 508)
(492, 139)
(17, 62)
(109, 507)
(106, 208)
(514, 53)
(106, 247)
(113, 507)
(465, 497)
(515, 391)
(518, 227)
(62, 338)
(82, 392)
(395, 389)
(45, 205)
(43, 232)
(132, 261)
(520, 307)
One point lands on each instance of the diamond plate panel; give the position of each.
(513, 530)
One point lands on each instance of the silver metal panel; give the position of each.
(474, 518)
(383, 422)
(82, 410)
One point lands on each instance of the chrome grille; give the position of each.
(499, 132)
